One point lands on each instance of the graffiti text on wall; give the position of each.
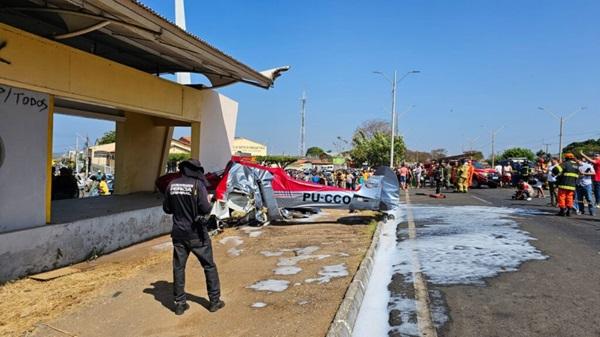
(17, 97)
(2, 45)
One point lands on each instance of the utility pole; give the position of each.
(87, 156)
(562, 120)
(76, 154)
(302, 148)
(546, 145)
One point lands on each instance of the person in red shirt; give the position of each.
(596, 178)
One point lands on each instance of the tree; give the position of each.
(588, 146)
(517, 152)
(178, 157)
(373, 126)
(371, 144)
(314, 151)
(107, 138)
(438, 153)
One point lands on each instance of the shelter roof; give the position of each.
(130, 33)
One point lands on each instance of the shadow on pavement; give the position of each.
(163, 293)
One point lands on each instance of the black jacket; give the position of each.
(180, 196)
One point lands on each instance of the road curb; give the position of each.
(345, 318)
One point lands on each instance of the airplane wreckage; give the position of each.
(248, 193)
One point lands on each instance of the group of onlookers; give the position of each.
(578, 182)
(571, 183)
(349, 179)
(455, 175)
(66, 185)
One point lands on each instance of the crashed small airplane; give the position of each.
(251, 193)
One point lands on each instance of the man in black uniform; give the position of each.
(186, 198)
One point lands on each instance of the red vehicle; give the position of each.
(484, 175)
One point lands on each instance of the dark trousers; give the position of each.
(438, 186)
(553, 187)
(203, 251)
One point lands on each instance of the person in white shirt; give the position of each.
(584, 186)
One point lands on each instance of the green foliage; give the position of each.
(518, 152)
(108, 137)
(375, 150)
(281, 161)
(475, 155)
(439, 153)
(588, 147)
(314, 151)
(178, 157)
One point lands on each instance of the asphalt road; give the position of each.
(559, 296)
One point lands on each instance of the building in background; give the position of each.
(245, 146)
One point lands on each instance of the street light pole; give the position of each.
(494, 132)
(393, 119)
(394, 84)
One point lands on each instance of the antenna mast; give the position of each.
(302, 126)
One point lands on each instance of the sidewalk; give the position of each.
(128, 293)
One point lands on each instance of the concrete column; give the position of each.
(196, 126)
(219, 116)
(138, 153)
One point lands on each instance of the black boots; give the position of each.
(568, 212)
(181, 307)
(561, 213)
(216, 305)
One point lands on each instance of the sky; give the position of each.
(485, 66)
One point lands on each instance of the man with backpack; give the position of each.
(187, 199)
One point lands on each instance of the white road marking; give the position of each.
(482, 200)
(424, 320)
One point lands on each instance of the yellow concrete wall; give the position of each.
(138, 153)
(51, 67)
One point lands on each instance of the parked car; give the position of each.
(484, 175)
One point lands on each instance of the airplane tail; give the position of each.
(381, 191)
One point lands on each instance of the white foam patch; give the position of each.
(372, 318)
(306, 250)
(303, 302)
(258, 305)
(292, 270)
(270, 254)
(292, 261)
(408, 314)
(455, 245)
(329, 272)
(234, 251)
(465, 245)
(255, 234)
(270, 285)
(234, 240)
(344, 254)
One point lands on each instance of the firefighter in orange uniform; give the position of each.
(471, 171)
(566, 176)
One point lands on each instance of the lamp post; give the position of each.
(494, 132)
(562, 120)
(394, 83)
